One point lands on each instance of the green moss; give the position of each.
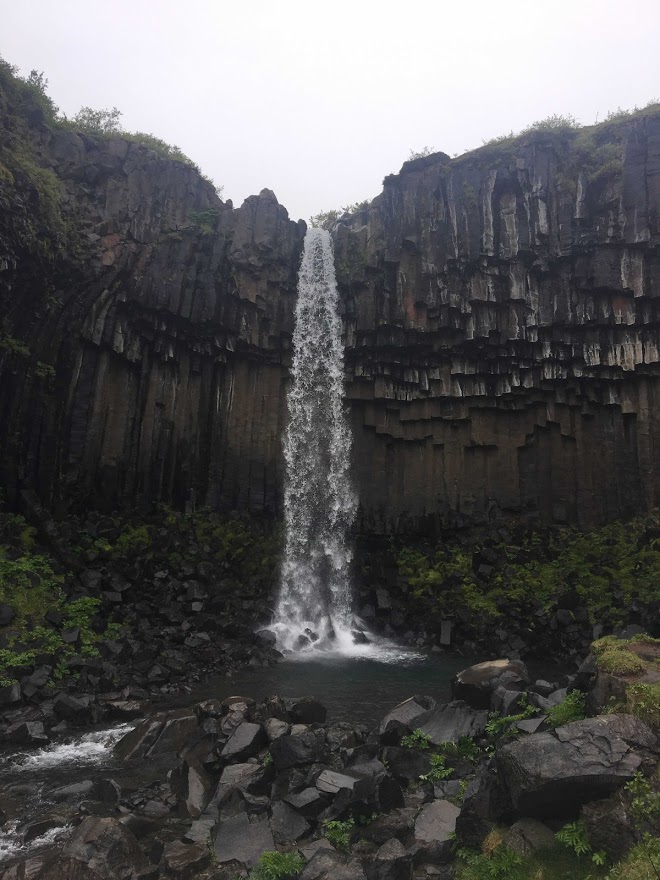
(619, 661)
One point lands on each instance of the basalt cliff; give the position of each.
(501, 325)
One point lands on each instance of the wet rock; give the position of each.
(274, 728)
(240, 840)
(76, 710)
(295, 750)
(192, 787)
(405, 713)
(27, 733)
(332, 782)
(406, 765)
(306, 710)
(330, 865)
(10, 694)
(434, 830)
(486, 801)
(245, 742)
(38, 825)
(309, 802)
(448, 723)
(160, 735)
(550, 774)
(475, 684)
(185, 860)
(399, 823)
(527, 836)
(77, 790)
(105, 847)
(287, 824)
(107, 791)
(391, 862)
(609, 827)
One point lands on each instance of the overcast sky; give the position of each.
(319, 101)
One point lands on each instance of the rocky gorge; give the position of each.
(500, 366)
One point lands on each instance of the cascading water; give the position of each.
(314, 608)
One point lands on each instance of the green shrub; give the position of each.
(438, 770)
(572, 708)
(339, 833)
(503, 725)
(643, 700)
(574, 836)
(620, 661)
(416, 740)
(278, 866)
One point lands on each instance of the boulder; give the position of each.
(362, 788)
(328, 864)
(406, 765)
(306, 710)
(185, 860)
(527, 836)
(162, 734)
(449, 722)
(287, 824)
(106, 848)
(240, 840)
(434, 831)
(391, 862)
(193, 789)
(309, 802)
(295, 750)
(475, 684)
(404, 713)
(245, 742)
(552, 774)
(609, 827)
(27, 733)
(75, 710)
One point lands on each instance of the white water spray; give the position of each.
(314, 608)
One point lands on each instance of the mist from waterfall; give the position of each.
(314, 607)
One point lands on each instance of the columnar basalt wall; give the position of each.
(501, 326)
(169, 346)
(502, 334)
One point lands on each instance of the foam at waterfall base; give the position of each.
(354, 641)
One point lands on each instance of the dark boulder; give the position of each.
(306, 710)
(402, 716)
(391, 862)
(475, 684)
(609, 826)
(245, 742)
(240, 840)
(295, 750)
(328, 864)
(552, 774)
(434, 831)
(449, 722)
(107, 848)
(287, 824)
(184, 860)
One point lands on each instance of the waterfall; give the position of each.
(314, 607)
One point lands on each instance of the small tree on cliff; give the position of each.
(97, 121)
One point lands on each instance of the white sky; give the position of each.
(319, 101)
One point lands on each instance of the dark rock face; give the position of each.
(501, 336)
(581, 762)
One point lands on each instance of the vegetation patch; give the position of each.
(608, 569)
